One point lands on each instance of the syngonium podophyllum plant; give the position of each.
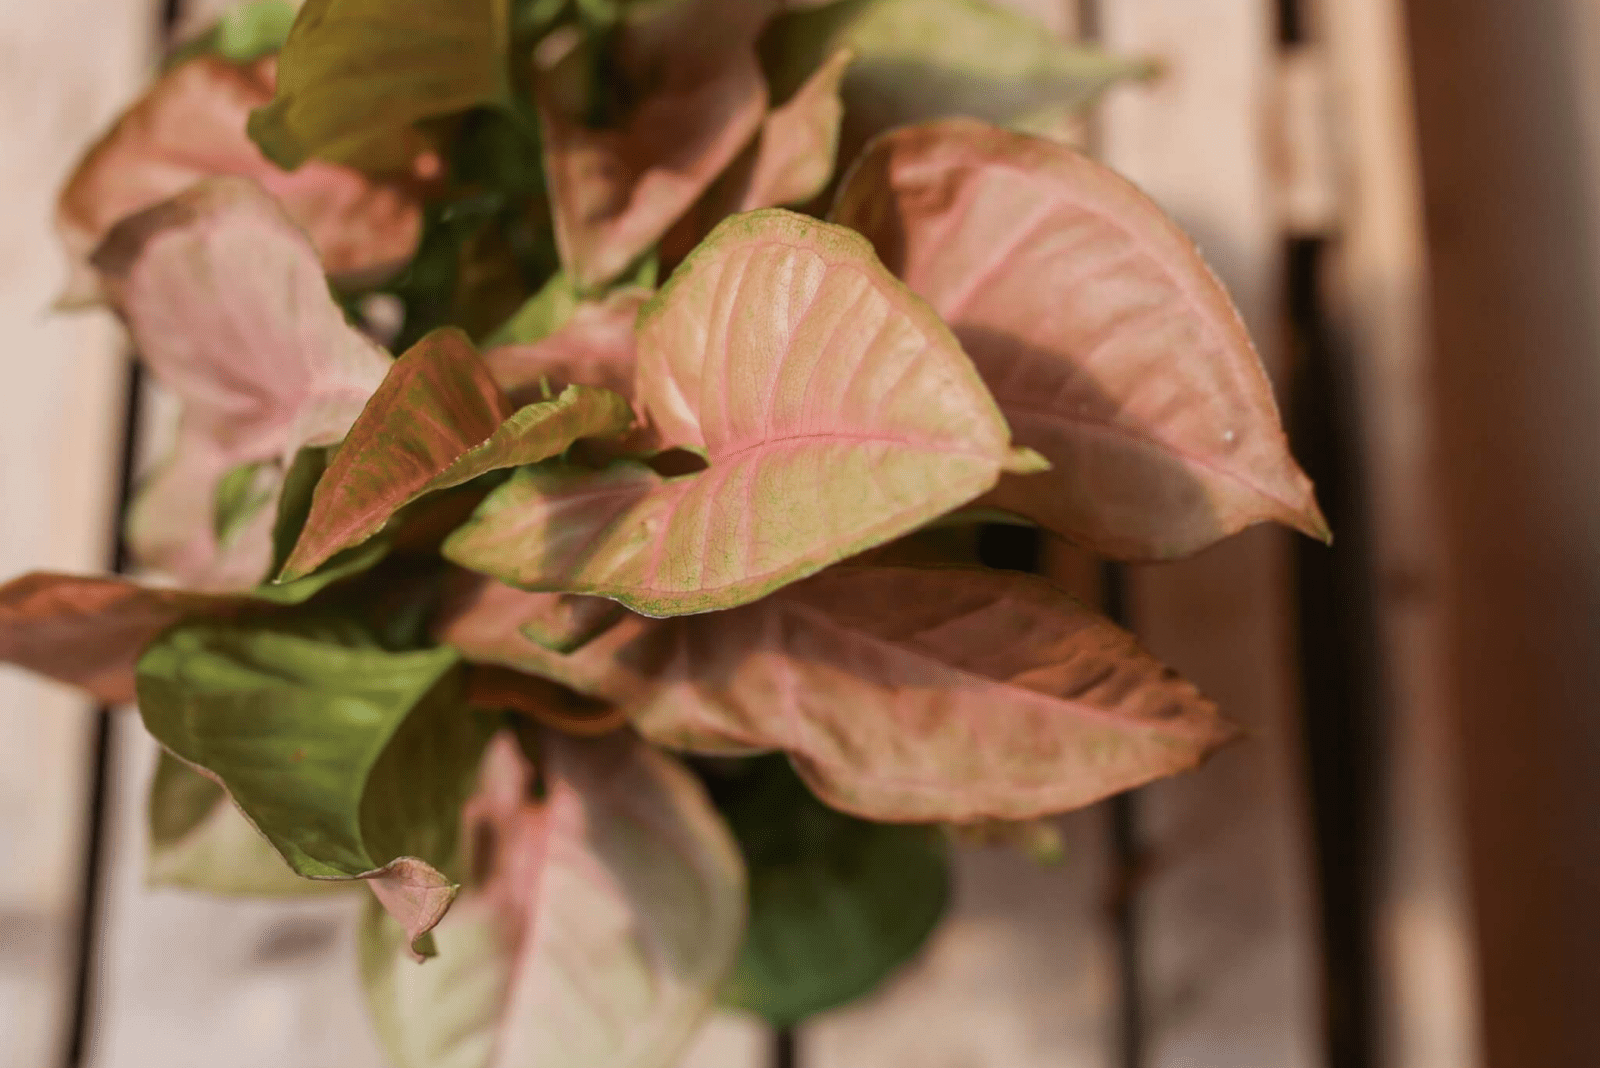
(503, 626)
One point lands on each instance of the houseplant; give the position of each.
(500, 627)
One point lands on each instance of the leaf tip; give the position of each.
(1024, 461)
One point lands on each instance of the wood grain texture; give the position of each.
(1226, 919)
(60, 418)
(1426, 993)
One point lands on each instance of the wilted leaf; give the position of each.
(836, 903)
(834, 409)
(228, 306)
(88, 631)
(918, 695)
(353, 761)
(191, 125)
(355, 75)
(437, 421)
(924, 59)
(695, 97)
(200, 841)
(1110, 346)
(606, 916)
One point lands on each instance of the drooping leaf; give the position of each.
(200, 841)
(837, 904)
(191, 125)
(691, 99)
(925, 59)
(355, 75)
(352, 760)
(88, 631)
(1109, 344)
(907, 694)
(228, 306)
(605, 916)
(834, 409)
(546, 703)
(437, 421)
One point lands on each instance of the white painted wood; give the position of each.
(1021, 975)
(1226, 919)
(60, 415)
(1425, 984)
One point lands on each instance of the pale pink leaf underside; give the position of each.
(604, 918)
(229, 308)
(834, 409)
(1111, 347)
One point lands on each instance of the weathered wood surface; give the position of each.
(59, 429)
(1225, 918)
(1425, 989)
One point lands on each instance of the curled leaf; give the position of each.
(835, 412)
(200, 841)
(699, 98)
(191, 125)
(352, 761)
(355, 75)
(605, 916)
(437, 421)
(904, 694)
(228, 306)
(1111, 347)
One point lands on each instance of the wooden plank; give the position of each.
(60, 420)
(1426, 1011)
(1508, 119)
(1225, 922)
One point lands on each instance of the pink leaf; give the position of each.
(89, 632)
(191, 125)
(799, 140)
(835, 411)
(701, 95)
(438, 420)
(1110, 346)
(229, 308)
(603, 920)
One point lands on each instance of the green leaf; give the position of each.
(837, 904)
(609, 912)
(242, 33)
(542, 315)
(353, 761)
(200, 841)
(1109, 344)
(437, 421)
(241, 495)
(923, 59)
(355, 75)
(835, 412)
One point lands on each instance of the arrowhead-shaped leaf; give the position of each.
(191, 125)
(229, 308)
(352, 760)
(355, 75)
(88, 631)
(834, 409)
(608, 913)
(837, 904)
(437, 421)
(200, 841)
(924, 59)
(1110, 346)
(697, 98)
(919, 695)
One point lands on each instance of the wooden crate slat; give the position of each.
(60, 422)
(1426, 1012)
(1227, 952)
